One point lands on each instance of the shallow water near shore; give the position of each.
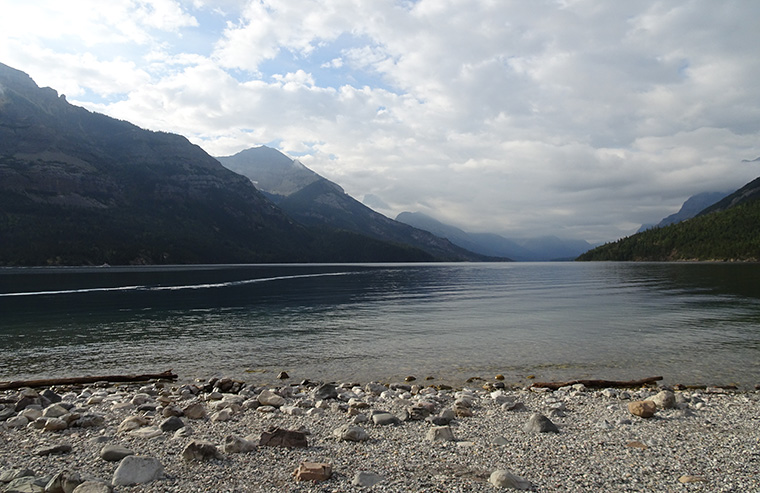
(693, 323)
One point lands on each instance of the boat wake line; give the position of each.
(171, 288)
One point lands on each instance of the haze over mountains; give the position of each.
(522, 249)
(317, 202)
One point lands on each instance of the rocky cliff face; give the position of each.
(80, 187)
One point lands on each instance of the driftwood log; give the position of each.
(597, 384)
(48, 382)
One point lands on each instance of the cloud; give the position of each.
(580, 118)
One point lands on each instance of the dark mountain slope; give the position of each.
(81, 188)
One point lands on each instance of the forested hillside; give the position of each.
(729, 235)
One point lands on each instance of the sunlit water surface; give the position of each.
(693, 323)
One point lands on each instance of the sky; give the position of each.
(574, 118)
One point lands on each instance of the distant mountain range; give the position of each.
(728, 230)
(524, 249)
(81, 188)
(315, 201)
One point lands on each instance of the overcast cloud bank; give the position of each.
(581, 119)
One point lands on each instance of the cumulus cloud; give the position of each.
(580, 119)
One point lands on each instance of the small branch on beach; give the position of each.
(597, 384)
(48, 382)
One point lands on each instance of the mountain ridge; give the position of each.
(322, 203)
(81, 188)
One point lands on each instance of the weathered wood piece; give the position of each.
(597, 384)
(47, 382)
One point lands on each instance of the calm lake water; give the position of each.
(693, 323)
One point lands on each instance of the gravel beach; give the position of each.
(213, 436)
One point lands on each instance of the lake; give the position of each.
(693, 323)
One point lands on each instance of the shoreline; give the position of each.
(432, 440)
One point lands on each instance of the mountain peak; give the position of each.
(274, 172)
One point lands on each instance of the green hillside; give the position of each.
(732, 234)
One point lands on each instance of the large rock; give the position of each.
(313, 471)
(114, 453)
(201, 450)
(54, 424)
(63, 482)
(642, 409)
(8, 475)
(137, 469)
(366, 479)
(146, 432)
(196, 410)
(278, 437)
(234, 444)
(57, 449)
(132, 423)
(504, 479)
(664, 400)
(385, 418)
(93, 487)
(326, 391)
(90, 420)
(440, 434)
(269, 398)
(55, 411)
(172, 423)
(538, 423)
(26, 484)
(351, 433)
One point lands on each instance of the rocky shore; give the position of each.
(229, 436)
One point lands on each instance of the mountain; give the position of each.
(726, 231)
(275, 172)
(525, 249)
(693, 206)
(747, 193)
(81, 188)
(322, 203)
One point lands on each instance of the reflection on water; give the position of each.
(692, 323)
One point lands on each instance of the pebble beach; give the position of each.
(230, 436)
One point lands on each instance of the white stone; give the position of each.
(366, 479)
(31, 414)
(440, 434)
(55, 424)
(140, 399)
(351, 433)
(136, 469)
(17, 422)
(293, 410)
(664, 400)
(505, 479)
(55, 411)
(132, 423)
(269, 398)
(223, 415)
(146, 432)
(234, 444)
